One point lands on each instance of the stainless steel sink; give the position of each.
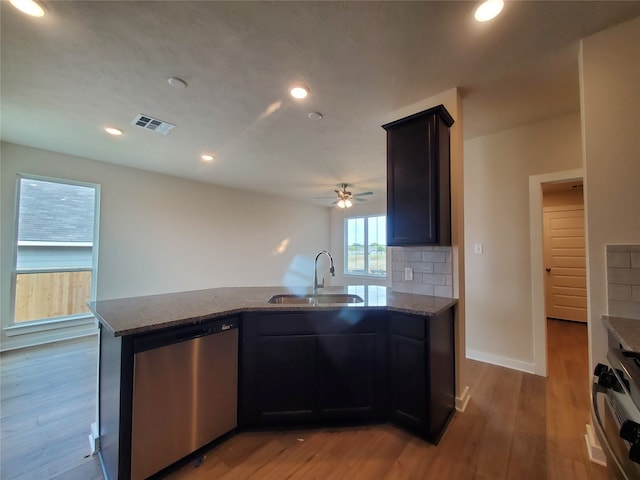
(316, 298)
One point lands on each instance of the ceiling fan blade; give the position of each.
(362, 194)
(323, 198)
(360, 199)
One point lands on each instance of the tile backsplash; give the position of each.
(623, 280)
(432, 270)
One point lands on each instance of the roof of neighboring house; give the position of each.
(55, 212)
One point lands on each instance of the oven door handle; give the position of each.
(595, 389)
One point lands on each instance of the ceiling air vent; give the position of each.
(153, 124)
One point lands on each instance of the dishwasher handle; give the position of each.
(162, 338)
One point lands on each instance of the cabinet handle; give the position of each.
(548, 269)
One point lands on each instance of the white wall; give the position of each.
(609, 81)
(161, 234)
(498, 282)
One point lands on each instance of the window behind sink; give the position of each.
(366, 246)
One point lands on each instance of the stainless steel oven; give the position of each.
(616, 404)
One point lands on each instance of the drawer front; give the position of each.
(411, 326)
(279, 323)
(329, 322)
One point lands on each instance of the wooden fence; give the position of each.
(43, 295)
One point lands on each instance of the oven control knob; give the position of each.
(600, 369)
(607, 379)
(630, 431)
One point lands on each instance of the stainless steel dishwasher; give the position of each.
(184, 392)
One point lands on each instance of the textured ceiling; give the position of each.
(90, 64)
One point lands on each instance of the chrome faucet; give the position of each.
(332, 271)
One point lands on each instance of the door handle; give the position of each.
(548, 269)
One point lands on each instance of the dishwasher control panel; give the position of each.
(224, 325)
(169, 336)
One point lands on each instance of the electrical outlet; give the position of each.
(408, 273)
(477, 249)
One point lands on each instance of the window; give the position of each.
(366, 246)
(55, 250)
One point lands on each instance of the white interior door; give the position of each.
(565, 265)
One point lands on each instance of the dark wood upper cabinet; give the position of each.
(418, 179)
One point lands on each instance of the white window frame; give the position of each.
(366, 246)
(48, 324)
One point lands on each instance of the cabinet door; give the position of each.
(277, 379)
(422, 373)
(418, 179)
(285, 385)
(347, 365)
(441, 374)
(411, 188)
(408, 396)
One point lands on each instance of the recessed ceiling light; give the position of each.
(315, 116)
(207, 157)
(176, 82)
(488, 10)
(30, 7)
(299, 91)
(113, 131)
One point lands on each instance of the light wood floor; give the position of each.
(47, 405)
(516, 426)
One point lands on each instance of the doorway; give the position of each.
(537, 269)
(564, 256)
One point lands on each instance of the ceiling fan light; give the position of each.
(348, 203)
(342, 204)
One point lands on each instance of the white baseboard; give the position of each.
(594, 449)
(94, 439)
(501, 361)
(463, 400)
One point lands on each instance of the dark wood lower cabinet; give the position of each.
(314, 368)
(285, 390)
(408, 385)
(311, 368)
(422, 372)
(348, 386)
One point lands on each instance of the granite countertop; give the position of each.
(130, 316)
(626, 331)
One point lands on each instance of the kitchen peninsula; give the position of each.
(377, 356)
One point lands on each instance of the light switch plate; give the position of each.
(477, 248)
(408, 273)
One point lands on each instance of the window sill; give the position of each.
(364, 275)
(49, 325)
(366, 280)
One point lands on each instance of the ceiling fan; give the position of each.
(345, 197)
